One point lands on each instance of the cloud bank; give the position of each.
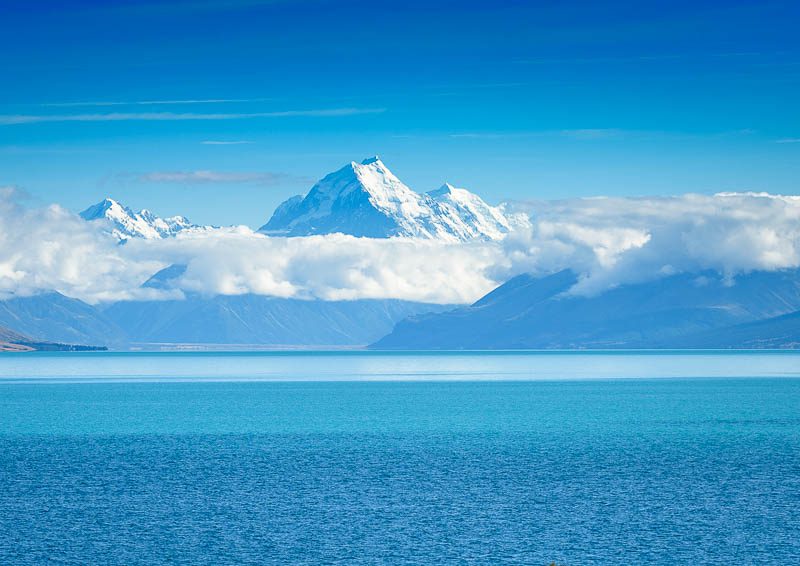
(332, 267)
(609, 241)
(52, 249)
(613, 241)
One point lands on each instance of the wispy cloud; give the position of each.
(203, 176)
(644, 58)
(180, 7)
(475, 135)
(493, 135)
(603, 134)
(151, 102)
(577, 134)
(593, 133)
(11, 119)
(788, 140)
(590, 60)
(225, 142)
(13, 192)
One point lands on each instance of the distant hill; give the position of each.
(260, 320)
(780, 332)
(52, 317)
(219, 320)
(700, 310)
(528, 312)
(8, 335)
(11, 341)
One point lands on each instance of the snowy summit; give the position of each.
(125, 223)
(366, 199)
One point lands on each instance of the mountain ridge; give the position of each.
(367, 200)
(222, 319)
(125, 223)
(13, 341)
(257, 319)
(361, 199)
(539, 313)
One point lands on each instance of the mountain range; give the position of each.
(261, 320)
(254, 320)
(13, 341)
(123, 223)
(705, 310)
(699, 310)
(53, 317)
(361, 199)
(687, 310)
(367, 199)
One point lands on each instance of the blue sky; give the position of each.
(220, 109)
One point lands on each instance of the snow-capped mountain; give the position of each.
(467, 215)
(126, 224)
(366, 199)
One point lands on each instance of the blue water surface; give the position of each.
(400, 459)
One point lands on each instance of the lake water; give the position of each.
(358, 457)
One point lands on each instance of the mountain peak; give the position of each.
(453, 194)
(367, 200)
(445, 189)
(126, 224)
(101, 209)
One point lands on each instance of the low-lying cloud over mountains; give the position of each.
(614, 241)
(606, 241)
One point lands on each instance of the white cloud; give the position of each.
(593, 133)
(154, 102)
(333, 267)
(12, 119)
(211, 177)
(613, 241)
(53, 249)
(609, 241)
(225, 142)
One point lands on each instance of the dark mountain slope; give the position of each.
(52, 317)
(255, 319)
(538, 313)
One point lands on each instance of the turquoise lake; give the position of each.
(401, 458)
